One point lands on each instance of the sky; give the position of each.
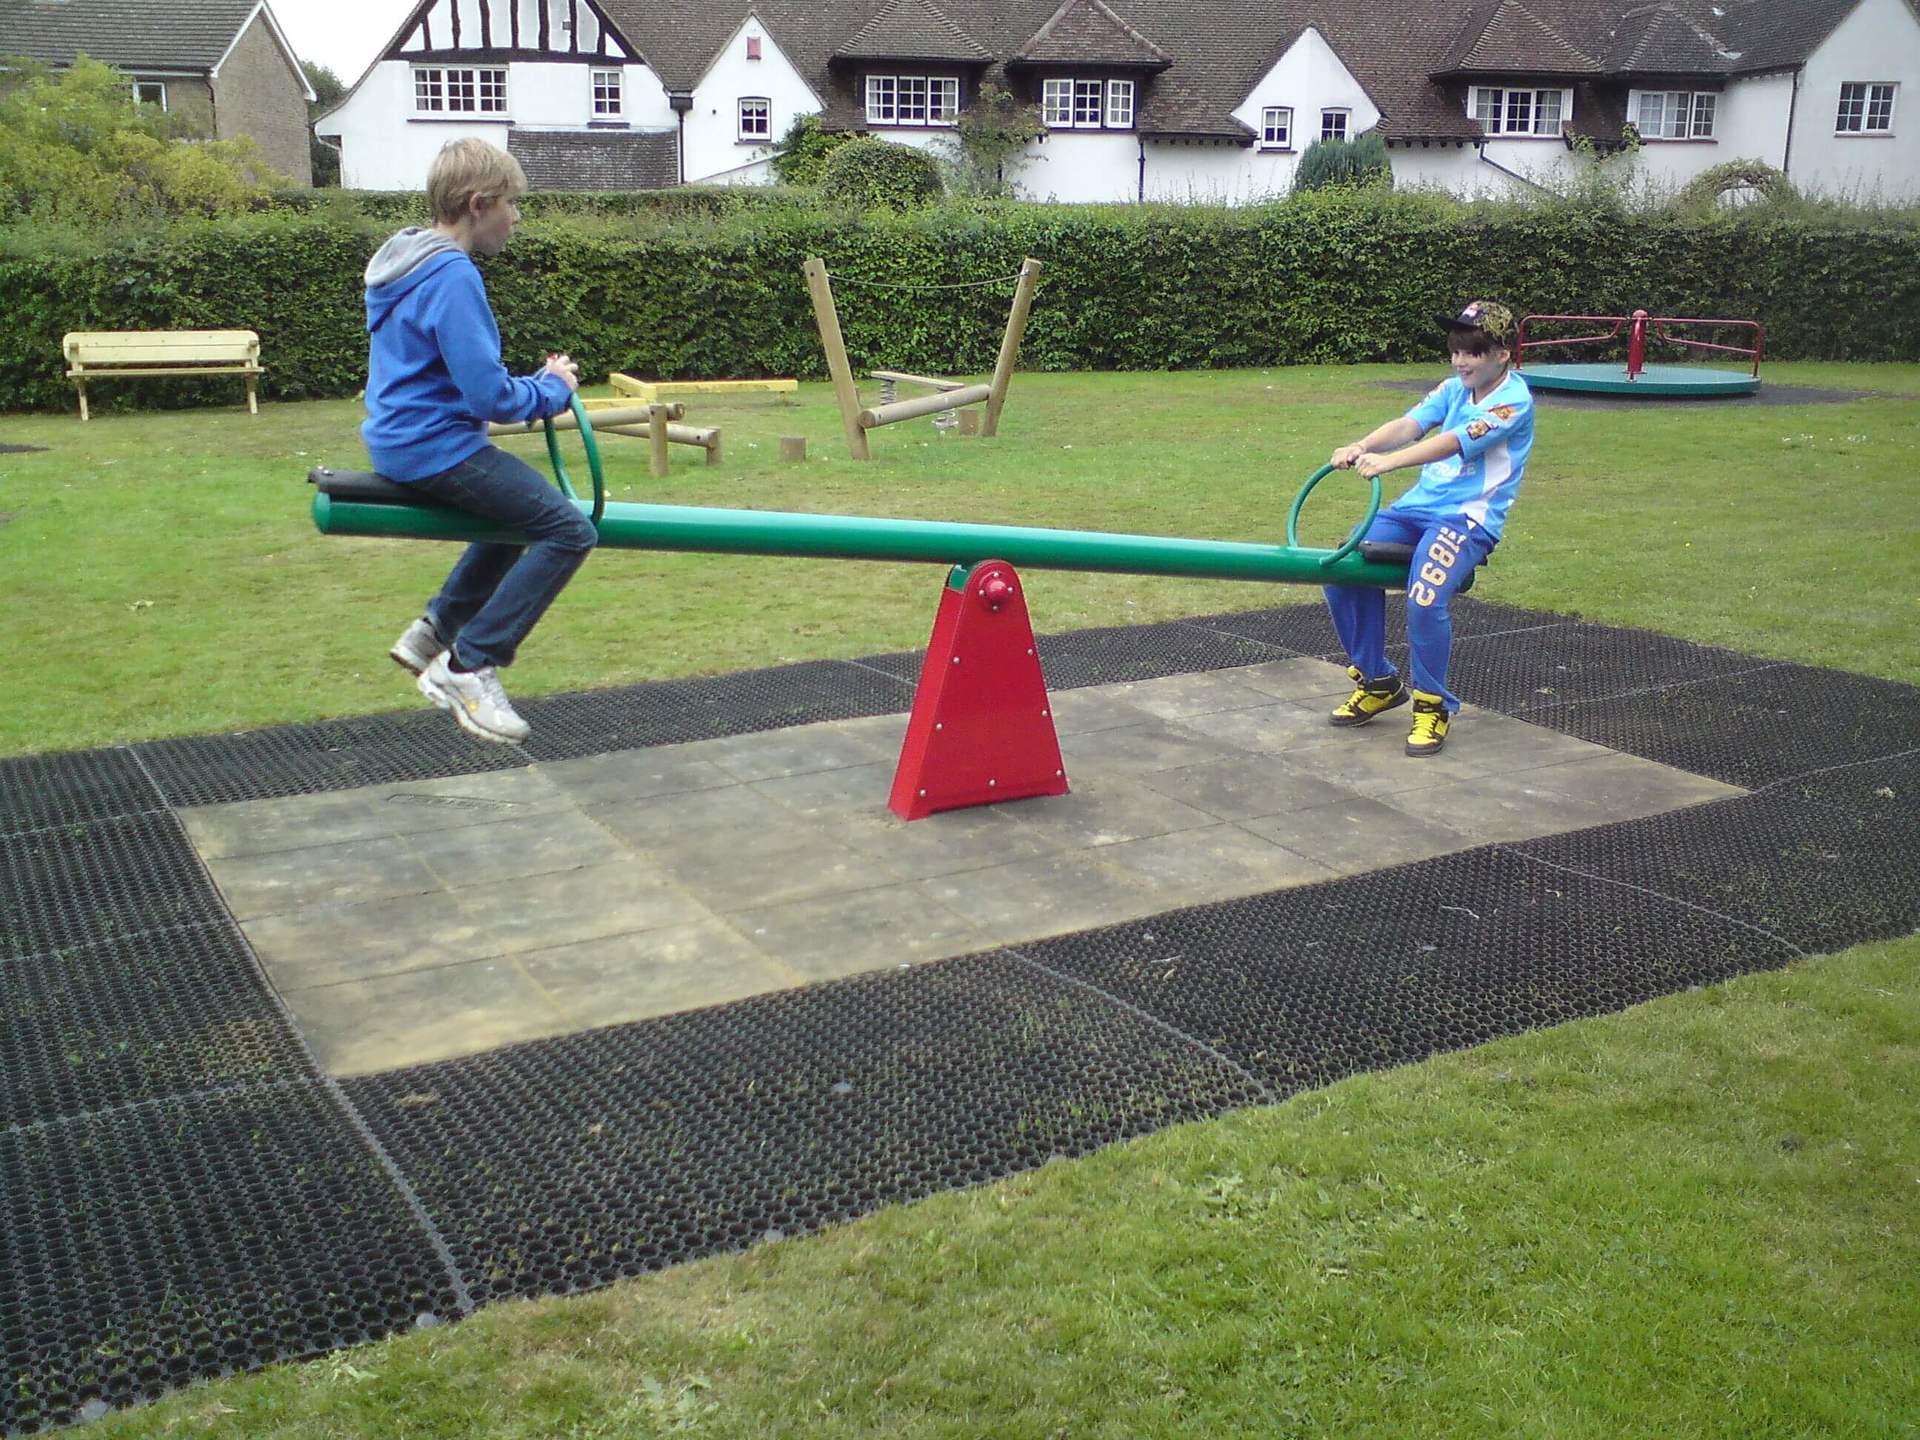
(340, 34)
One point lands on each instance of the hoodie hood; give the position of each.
(401, 264)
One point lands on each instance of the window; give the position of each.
(1333, 124)
(913, 99)
(459, 91)
(1276, 128)
(150, 92)
(606, 94)
(1520, 112)
(753, 47)
(1865, 109)
(1087, 104)
(756, 118)
(1674, 114)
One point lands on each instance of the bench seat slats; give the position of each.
(117, 354)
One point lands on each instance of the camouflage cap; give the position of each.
(1488, 315)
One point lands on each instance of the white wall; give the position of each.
(1878, 41)
(385, 148)
(1309, 78)
(1752, 121)
(714, 150)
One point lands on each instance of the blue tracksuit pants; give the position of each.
(1445, 552)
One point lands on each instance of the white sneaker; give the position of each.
(418, 646)
(476, 699)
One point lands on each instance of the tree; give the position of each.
(75, 147)
(327, 90)
(801, 156)
(879, 174)
(1360, 163)
(995, 128)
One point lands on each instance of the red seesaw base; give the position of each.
(982, 725)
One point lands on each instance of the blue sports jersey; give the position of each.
(1495, 437)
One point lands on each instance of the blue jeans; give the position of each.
(1445, 553)
(497, 593)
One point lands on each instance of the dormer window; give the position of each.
(1077, 104)
(1674, 114)
(1276, 128)
(913, 99)
(1520, 112)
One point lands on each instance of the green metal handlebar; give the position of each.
(1359, 531)
(593, 460)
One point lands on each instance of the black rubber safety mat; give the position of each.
(144, 1248)
(1820, 876)
(1308, 630)
(564, 1164)
(1304, 986)
(38, 791)
(83, 884)
(93, 1027)
(1751, 729)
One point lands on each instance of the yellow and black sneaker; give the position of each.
(1429, 724)
(1374, 697)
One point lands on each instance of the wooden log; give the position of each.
(793, 447)
(598, 415)
(659, 458)
(1010, 344)
(651, 390)
(820, 291)
(706, 437)
(932, 382)
(922, 405)
(969, 422)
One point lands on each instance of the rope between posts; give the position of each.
(891, 285)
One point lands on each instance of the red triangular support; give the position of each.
(982, 725)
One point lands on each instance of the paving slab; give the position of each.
(413, 922)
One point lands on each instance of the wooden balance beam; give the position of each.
(856, 420)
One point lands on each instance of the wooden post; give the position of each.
(659, 462)
(1010, 344)
(793, 447)
(81, 386)
(969, 422)
(713, 446)
(820, 289)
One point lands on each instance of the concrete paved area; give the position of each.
(407, 923)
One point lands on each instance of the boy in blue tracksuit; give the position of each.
(434, 380)
(1471, 466)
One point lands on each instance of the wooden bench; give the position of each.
(113, 355)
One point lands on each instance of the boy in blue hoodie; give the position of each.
(1470, 437)
(434, 380)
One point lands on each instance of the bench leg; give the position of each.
(252, 407)
(81, 386)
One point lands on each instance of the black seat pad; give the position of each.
(364, 485)
(1386, 552)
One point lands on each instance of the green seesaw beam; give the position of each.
(355, 503)
(856, 537)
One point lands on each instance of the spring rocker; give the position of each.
(1638, 380)
(981, 728)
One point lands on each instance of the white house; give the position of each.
(1151, 99)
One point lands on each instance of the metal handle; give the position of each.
(1359, 531)
(593, 459)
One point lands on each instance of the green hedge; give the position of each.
(1322, 278)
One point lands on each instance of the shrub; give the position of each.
(1361, 163)
(875, 174)
(803, 151)
(1736, 175)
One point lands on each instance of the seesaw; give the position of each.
(981, 729)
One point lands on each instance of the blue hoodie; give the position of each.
(434, 377)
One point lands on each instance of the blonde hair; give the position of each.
(466, 168)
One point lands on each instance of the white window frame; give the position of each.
(1493, 115)
(746, 111)
(1080, 102)
(917, 101)
(1276, 127)
(1336, 123)
(159, 85)
(1869, 97)
(437, 83)
(1684, 114)
(608, 90)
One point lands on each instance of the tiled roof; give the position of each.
(1087, 32)
(1514, 40)
(596, 159)
(135, 35)
(912, 30)
(1218, 49)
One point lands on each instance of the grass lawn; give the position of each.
(1695, 1218)
(161, 576)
